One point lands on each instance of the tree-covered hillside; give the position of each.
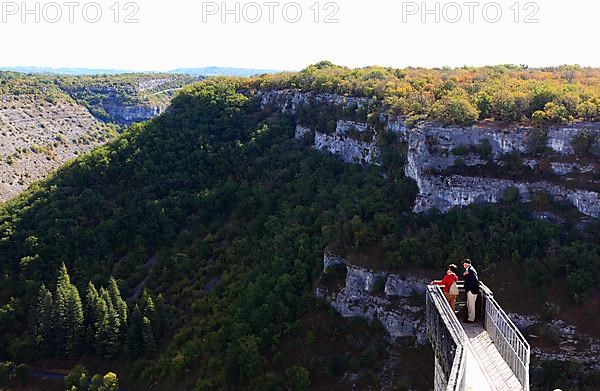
(226, 199)
(459, 95)
(217, 210)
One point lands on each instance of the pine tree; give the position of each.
(161, 317)
(148, 308)
(74, 322)
(118, 302)
(101, 325)
(148, 336)
(68, 315)
(112, 327)
(135, 339)
(63, 321)
(91, 315)
(91, 304)
(44, 321)
(60, 309)
(114, 332)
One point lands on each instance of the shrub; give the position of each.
(110, 382)
(298, 378)
(338, 364)
(511, 194)
(578, 283)
(544, 166)
(508, 105)
(514, 162)
(536, 140)
(460, 164)
(556, 113)
(583, 143)
(378, 285)
(485, 149)
(588, 110)
(270, 382)
(542, 95)
(454, 108)
(541, 199)
(413, 120)
(460, 150)
(76, 378)
(550, 311)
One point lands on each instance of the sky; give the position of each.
(269, 34)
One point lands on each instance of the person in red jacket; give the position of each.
(449, 291)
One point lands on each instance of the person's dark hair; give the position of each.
(453, 268)
(467, 260)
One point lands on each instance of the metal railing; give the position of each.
(507, 338)
(448, 340)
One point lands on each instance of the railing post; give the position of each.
(483, 306)
(507, 338)
(448, 340)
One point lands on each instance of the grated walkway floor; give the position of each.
(492, 369)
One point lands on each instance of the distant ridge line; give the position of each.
(202, 71)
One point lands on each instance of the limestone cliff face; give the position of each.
(109, 104)
(431, 149)
(128, 100)
(128, 114)
(341, 143)
(378, 296)
(348, 148)
(443, 193)
(288, 101)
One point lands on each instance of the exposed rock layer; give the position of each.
(432, 148)
(37, 136)
(379, 296)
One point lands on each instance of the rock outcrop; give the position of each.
(557, 340)
(330, 261)
(559, 168)
(342, 143)
(433, 148)
(350, 150)
(378, 296)
(126, 114)
(430, 149)
(288, 101)
(125, 100)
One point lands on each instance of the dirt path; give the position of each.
(137, 290)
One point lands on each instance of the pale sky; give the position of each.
(172, 34)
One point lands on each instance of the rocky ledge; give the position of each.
(378, 296)
(557, 340)
(430, 150)
(433, 148)
(128, 114)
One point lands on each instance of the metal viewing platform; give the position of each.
(490, 354)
